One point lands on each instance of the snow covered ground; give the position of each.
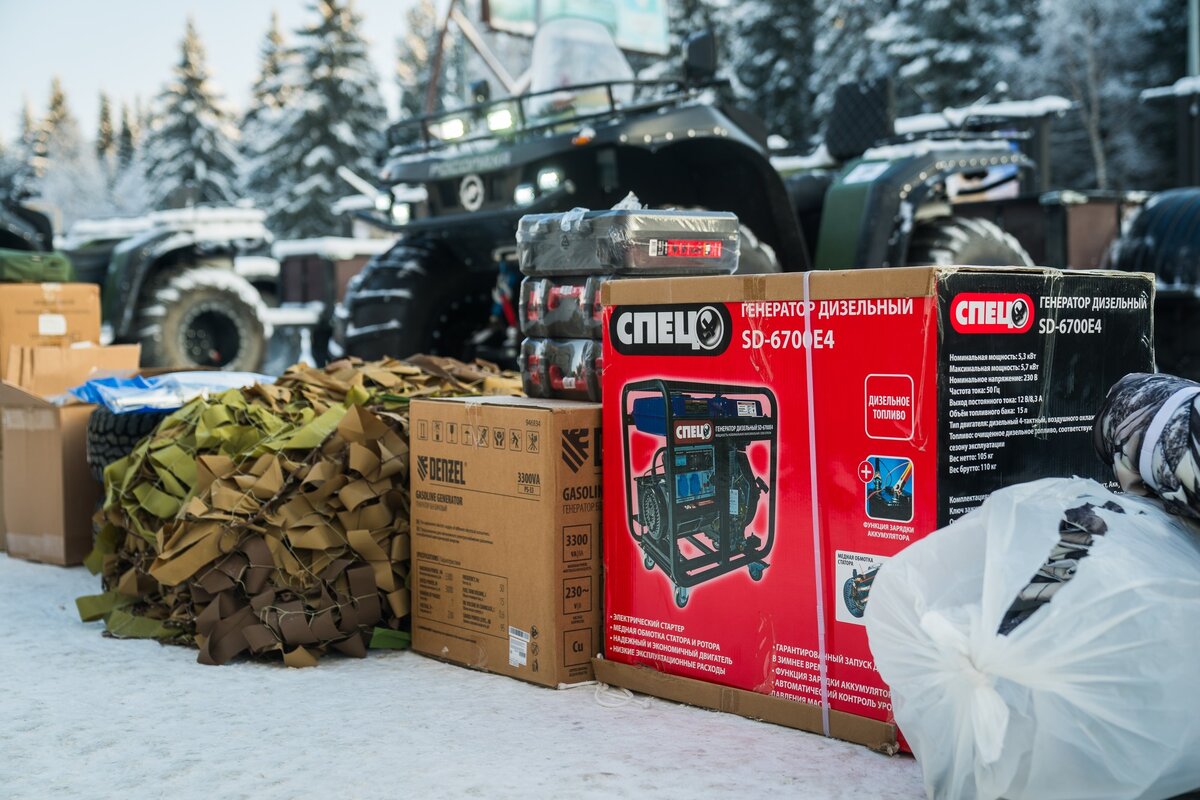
(86, 716)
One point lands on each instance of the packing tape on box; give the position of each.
(34, 546)
(30, 419)
(818, 559)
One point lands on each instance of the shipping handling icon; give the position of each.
(698, 498)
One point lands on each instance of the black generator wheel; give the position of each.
(111, 437)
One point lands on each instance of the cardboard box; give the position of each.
(506, 528)
(47, 314)
(772, 440)
(49, 494)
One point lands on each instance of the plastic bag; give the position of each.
(1095, 694)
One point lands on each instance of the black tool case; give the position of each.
(624, 242)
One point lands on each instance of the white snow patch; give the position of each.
(1008, 109)
(1180, 88)
(86, 716)
(817, 159)
(335, 248)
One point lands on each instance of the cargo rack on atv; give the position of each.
(477, 121)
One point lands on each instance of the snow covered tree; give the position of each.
(334, 119)
(71, 182)
(844, 50)
(190, 155)
(1166, 43)
(1092, 52)
(772, 60)
(106, 136)
(414, 57)
(953, 52)
(271, 89)
(270, 92)
(127, 139)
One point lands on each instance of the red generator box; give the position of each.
(770, 441)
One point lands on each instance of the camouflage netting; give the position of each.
(274, 518)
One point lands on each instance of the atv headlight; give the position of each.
(548, 179)
(401, 213)
(525, 194)
(452, 128)
(499, 120)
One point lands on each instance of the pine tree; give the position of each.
(126, 139)
(60, 135)
(954, 52)
(333, 120)
(1092, 51)
(772, 59)
(414, 58)
(844, 50)
(271, 91)
(190, 156)
(70, 180)
(106, 138)
(25, 150)
(1166, 41)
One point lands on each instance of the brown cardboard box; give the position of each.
(57, 314)
(880, 736)
(49, 494)
(506, 529)
(45, 314)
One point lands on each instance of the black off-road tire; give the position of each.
(412, 299)
(1164, 238)
(965, 241)
(202, 316)
(755, 257)
(111, 437)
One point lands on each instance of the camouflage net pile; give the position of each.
(273, 519)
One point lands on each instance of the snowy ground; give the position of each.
(86, 716)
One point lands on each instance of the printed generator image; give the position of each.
(699, 496)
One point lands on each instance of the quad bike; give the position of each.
(586, 134)
(190, 285)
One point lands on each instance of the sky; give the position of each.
(128, 48)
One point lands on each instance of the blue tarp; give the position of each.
(162, 392)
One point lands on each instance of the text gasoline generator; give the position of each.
(699, 496)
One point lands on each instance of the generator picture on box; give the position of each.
(698, 498)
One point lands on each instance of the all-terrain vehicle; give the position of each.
(587, 133)
(187, 284)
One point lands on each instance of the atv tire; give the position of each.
(111, 437)
(965, 241)
(202, 316)
(409, 301)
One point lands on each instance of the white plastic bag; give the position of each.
(1095, 695)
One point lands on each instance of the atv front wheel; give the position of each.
(410, 300)
(202, 316)
(967, 241)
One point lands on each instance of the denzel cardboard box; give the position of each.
(506, 535)
(771, 441)
(49, 494)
